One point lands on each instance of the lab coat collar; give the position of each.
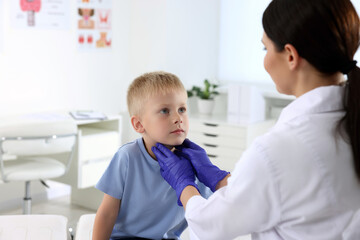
(318, 100)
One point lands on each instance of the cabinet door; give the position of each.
(224, 163)
(96, 149)
(91, 172)
(97, 143)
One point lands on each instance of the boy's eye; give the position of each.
(182, 110)
(264, 49)
(164, 111)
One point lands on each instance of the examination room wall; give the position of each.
(43, 70)
(241, 52)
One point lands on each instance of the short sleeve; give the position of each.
(112, 181)
(205, 192)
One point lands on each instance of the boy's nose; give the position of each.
(178, 119)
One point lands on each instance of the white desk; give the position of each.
(98, 140)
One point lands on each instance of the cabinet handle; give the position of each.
(210, 135)
(211, 124)
(212, 156)
(210, 145)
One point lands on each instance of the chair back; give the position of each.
(39, 145)
(37, 134)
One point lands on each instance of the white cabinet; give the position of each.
(95, 150)
(96, 145)
(224, 142)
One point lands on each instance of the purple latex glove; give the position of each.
(206, 172)
(175, 169)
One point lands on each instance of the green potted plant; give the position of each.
(205, 96)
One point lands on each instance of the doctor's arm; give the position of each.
(190, 191)
(106, 217)
(249, 203)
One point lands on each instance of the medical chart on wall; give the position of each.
(94, 24)
(43, 14)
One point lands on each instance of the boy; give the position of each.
(138, 203)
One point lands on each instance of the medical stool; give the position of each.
(33, 227)
(84, 227)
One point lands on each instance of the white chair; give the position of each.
(28, 148)
(33, 227)
(84, 227)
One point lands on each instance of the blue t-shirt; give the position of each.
(148, 203)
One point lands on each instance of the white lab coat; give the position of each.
(295, 182)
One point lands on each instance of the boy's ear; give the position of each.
(136, 123)
(292, 56)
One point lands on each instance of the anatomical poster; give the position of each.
(43, 14)
(94, 24)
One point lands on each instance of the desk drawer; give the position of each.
(227, 164)
(218, 140)
(213, 128)
(95, 144)
(91, 172)
(222, 151)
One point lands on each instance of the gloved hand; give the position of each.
(175, 169)
(206, 172)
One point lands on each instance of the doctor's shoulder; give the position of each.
(279, 140)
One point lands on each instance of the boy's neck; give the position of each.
(149, 144)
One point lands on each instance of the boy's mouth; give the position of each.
(178, 131)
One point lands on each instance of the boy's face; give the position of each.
(165, 119)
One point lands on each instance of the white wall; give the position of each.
(179, 36)
(43, 70)
(241, 51)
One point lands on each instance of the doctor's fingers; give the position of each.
(160, 157)
(180, 154)
(164, 150)
(189, 144)
(191, 153)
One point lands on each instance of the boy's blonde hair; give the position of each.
(150, 84)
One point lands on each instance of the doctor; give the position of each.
(301, 180)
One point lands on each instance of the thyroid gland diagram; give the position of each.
(103, 42)
(86, 39)
(86, 21)
(103, 18)
(31, 7)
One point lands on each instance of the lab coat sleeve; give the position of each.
(249, 203)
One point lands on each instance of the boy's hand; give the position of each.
(175, 169)
(206, 172)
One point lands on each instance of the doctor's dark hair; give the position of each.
(326, 34)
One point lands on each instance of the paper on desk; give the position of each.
(86, 115)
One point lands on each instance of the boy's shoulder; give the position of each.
(130, 146)
(129, 150)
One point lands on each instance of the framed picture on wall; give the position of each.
(43, 14)
(94, 24)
